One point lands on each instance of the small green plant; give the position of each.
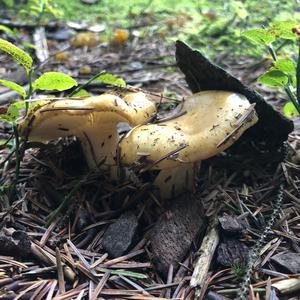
(285, 71)
(48, 81)
(41, 10)
(238, 270)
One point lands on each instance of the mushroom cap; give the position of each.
(92, 120)
(66, 117)
(213, 121)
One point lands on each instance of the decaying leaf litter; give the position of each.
(73, 257)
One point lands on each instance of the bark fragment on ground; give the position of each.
(14, 243)
(121, 234)
(289, 261)
(232, 225)
(175, 231)
(232, 252)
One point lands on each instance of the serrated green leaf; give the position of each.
(14, 109)
(286, 66)
(290, 110)
(6, 29)
(81, 93)
(13, 112)
(19, 55)
(14, 86)
(274, 78)
(259, 36)
(54, 81)
(111, 80)
(283, 29)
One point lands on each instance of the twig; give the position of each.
(60, 273)
(40, 42)
(100, 286)
(181, 147)
(85, 84)
(206, 253)
(240, 123)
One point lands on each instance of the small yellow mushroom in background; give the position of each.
(120, 37)
(88, 39)
(85, 70)
(62, 56)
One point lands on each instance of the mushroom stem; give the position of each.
(105, 141)
(174, 181)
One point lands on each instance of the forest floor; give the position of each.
(75, 256)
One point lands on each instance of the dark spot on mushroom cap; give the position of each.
(168, 178)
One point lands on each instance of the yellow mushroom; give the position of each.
(92, 120)
(209, 122)
(212, 122)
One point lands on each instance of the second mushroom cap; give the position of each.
(212, 122)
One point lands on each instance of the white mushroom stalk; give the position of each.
(92, 120)
(212, 122)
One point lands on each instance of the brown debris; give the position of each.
(120, 235)
(175, 231)
(232, 252)
(289, 261)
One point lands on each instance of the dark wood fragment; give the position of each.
(289, 261)
(18, 244)
(231, 224)
(232, 252)
(175, 231)
(120, 235)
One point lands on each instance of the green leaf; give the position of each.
(13, 112)
(14, 109)
(29, 45)
(283, 29)
(290, 110)
(14, 86)
(274, 78)
(51, 81)
(259, 36)
(19, 55)
(286, 66)
(111, 80)
(6, 29)
(81, 93)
